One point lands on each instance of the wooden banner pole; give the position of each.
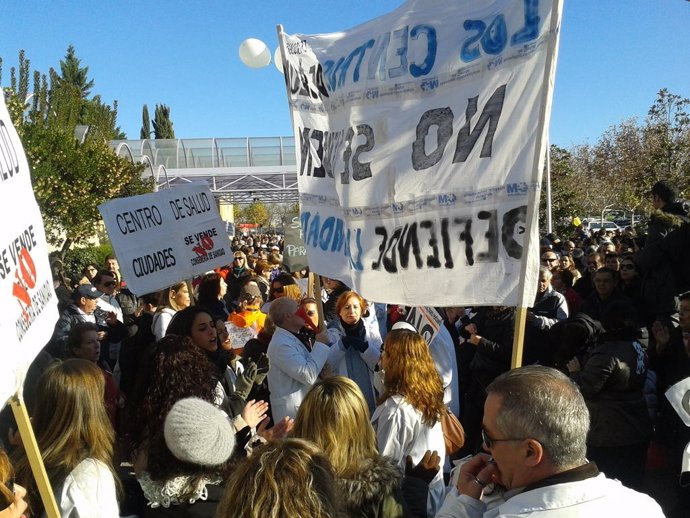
(518, 337)
(26, 432)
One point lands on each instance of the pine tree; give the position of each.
(73, 73)
(145, 124)
(162, 125)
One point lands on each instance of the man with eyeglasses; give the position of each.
(550, 260)
(534, 429)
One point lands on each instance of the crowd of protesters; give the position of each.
(240, 393)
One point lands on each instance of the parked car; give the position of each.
(595, 226)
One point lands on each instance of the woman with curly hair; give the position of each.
(176, 369)
(335, 416)
(408, 418)
(288, 478)
(76, 441)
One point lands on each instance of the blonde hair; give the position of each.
(286, 478)
(6, 475)
(335, 416)
(293, 292)
(71, 424)
(410, 372)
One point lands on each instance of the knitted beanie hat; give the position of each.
(199, 433)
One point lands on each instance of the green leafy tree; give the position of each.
(162, 125)
(145, 132)
(74, 74)
(257, 213)
(564, 190)
(71, 177)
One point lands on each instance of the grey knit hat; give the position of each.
(197, 432)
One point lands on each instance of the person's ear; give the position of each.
(534, 452)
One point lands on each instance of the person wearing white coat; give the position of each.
(356, 341)
(408, 420)
(534, 430)
(89, 490)
(295, 363)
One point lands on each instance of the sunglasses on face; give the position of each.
(239, 258)
(109, 284)
(278, 290)
(549, 259)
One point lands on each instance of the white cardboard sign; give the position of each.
(28, 305)
(166, 236)
(420, 139)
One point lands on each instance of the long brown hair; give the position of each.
(71, 425)
(410, 372)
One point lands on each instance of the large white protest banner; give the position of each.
(28, 305)
(421, 138)
(166, 236)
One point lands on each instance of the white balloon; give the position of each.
(254, 53)
(278, 60)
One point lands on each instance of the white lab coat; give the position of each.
(293, 371)
(88, 492)
(592, 497)
(400, 432)
(442, 351)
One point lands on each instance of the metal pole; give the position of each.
(549, 216)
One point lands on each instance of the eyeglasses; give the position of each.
(237, 258)
(489, 442)
(549, 259)
(627, 266)
(109, 284)
(278, 290)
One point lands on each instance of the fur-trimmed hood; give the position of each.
(672, 215)
(376, 479)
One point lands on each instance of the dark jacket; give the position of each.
(612, 380)
(658, 281)
(495, 348)
(376, 491)
(595, 307)
(71, 317)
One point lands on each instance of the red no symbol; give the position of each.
(24, 280)
(205, 243)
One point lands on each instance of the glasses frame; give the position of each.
(489, 441)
